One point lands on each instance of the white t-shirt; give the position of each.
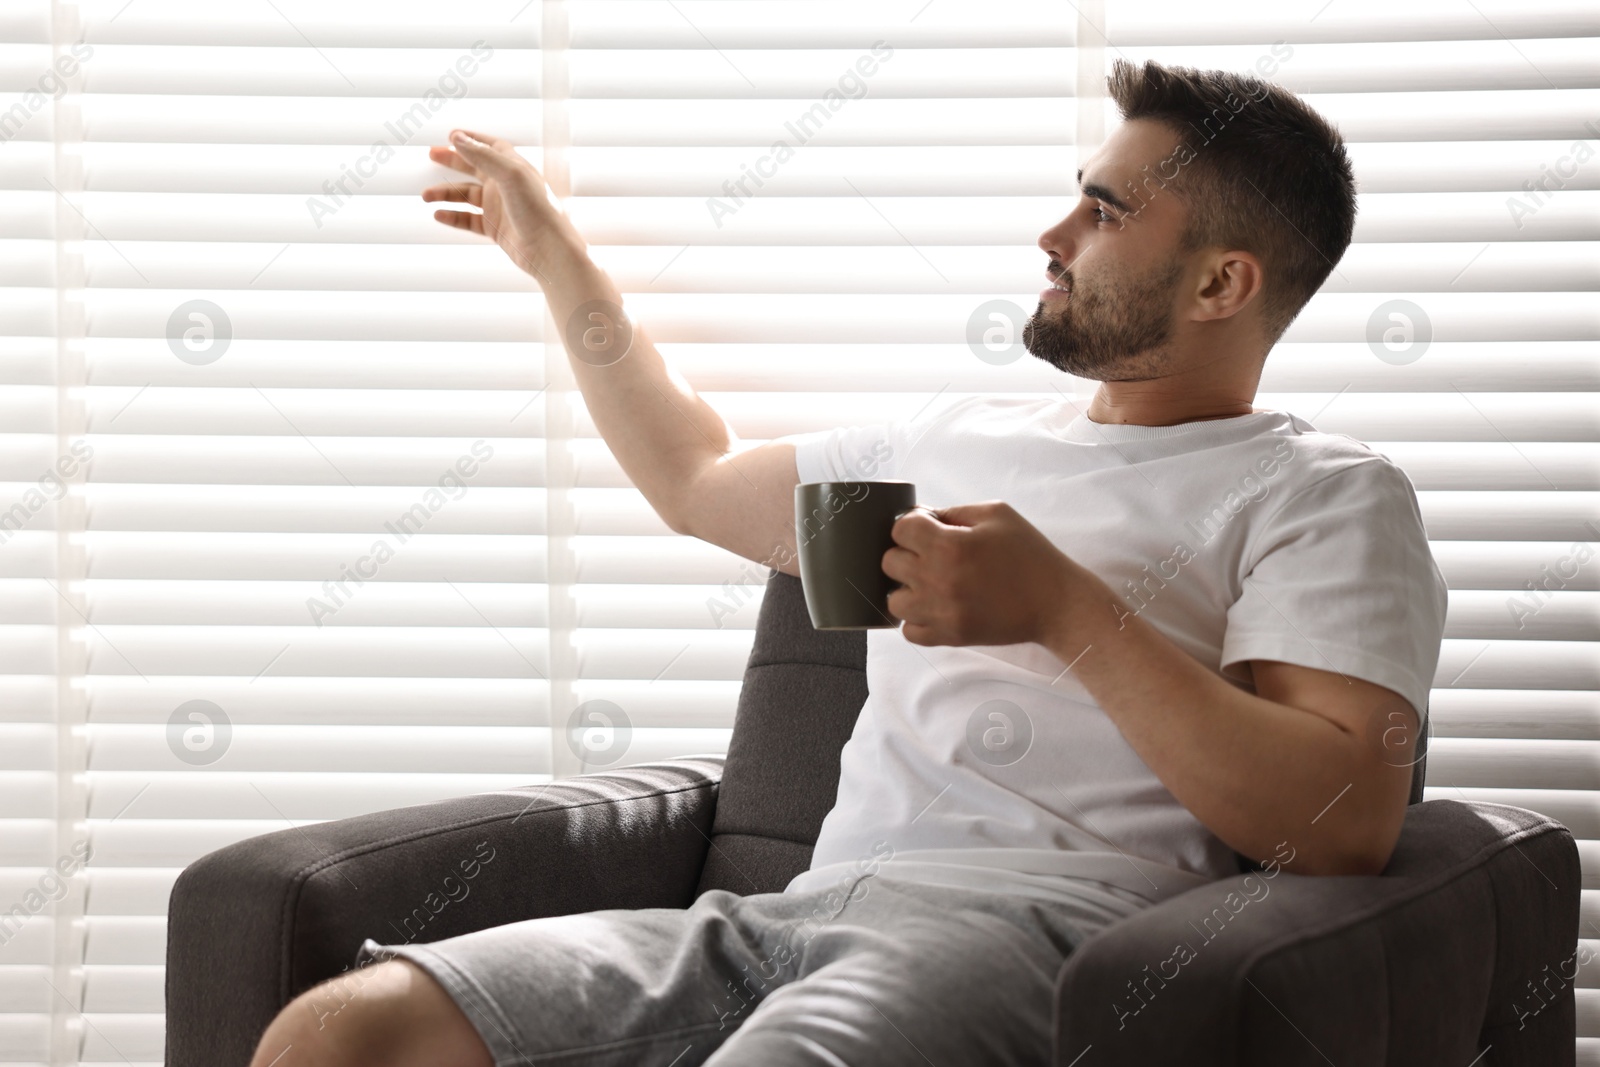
(1254, 537)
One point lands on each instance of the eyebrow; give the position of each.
(1096, 191)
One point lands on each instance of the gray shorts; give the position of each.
(875, 971)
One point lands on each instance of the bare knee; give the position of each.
(391, 1014)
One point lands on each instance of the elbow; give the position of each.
(673, 510)
(1353, 865)
(677, 521)
(1376, 860)
(1372, 851)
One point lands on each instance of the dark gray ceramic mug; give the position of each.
(841, 530)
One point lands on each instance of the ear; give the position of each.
(1230, 281)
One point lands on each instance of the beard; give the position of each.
(1114, 330)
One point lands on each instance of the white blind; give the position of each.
(282, 371)
(228, 153)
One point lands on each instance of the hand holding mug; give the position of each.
(981, 574)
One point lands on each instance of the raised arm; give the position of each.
(670, 442)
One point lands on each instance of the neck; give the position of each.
(1205, 388)
(1114, 402)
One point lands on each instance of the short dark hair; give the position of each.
(1265, 173)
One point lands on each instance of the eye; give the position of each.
(1101, 215)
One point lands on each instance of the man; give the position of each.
(1138, 642)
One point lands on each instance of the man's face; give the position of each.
(1118, 255)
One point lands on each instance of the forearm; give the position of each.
(662, 433)
(1255, 772)
(670, 443)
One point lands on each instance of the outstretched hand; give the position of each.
(980, 574)
(515, 207)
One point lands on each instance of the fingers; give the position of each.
(455, 192)
(914, 529)
(486, 138)
(903, 609)
(448, 157)
(461, 220)
(898, 563)
(490, 159)
(970, 514)
(476, 153)
(898, 602)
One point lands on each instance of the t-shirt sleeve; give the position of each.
(863, 453)
(849, 453)
(1341, 578)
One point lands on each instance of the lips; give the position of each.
(1052, 293)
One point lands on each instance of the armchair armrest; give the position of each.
(1423, 964)
(252, 925)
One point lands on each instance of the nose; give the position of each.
(1056, 242)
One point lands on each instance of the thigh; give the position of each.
(916, 975)
(616, 986)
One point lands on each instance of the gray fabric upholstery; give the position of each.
(1423, 965)
(1427, 964)
(802, 691)
(254, 924)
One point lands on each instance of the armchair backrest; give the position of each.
(802, 691)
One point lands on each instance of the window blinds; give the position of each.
(314, 524)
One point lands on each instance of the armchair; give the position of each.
(1429, 963)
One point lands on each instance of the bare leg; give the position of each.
(389, 1014)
